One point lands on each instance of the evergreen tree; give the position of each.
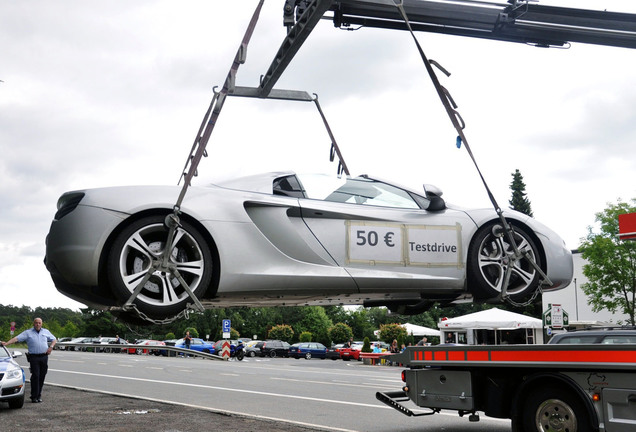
(519, 200)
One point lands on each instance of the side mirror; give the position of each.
(434, 195)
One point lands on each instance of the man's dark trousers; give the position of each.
(39, 366)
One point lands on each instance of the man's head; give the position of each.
(37, 324)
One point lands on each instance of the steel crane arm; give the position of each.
(515, 21)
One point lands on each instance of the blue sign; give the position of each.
(226, 325)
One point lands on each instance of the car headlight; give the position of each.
(13, 372)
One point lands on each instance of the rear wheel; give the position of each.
(308, 356)
(492, 253)
(554, 409)
(272, 353)
(138, 250)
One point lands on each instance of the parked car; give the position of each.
(273, 348)
(348, 353)
(304, 240)
(62, 340)
(82, 340)
(608, 335)
(251, 350)
(12, 379)
(105, 341)
(308, 350)
(149, 343)
(198, 344)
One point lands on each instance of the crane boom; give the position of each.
(516, 21)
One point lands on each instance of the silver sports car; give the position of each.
(286, 239)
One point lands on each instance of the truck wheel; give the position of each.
(552, 409)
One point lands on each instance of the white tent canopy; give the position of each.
(491, 319)
(416, 330)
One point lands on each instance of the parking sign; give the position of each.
(227, 324)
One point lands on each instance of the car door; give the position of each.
(385, 239)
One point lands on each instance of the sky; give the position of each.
(111, 93)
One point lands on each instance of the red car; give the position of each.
(350, 353)
(149, 342)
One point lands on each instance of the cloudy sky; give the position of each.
(101, 93)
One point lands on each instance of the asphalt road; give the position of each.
(315, 394)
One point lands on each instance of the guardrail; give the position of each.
(125, 347)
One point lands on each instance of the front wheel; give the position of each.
(492, 254)
(240, 355)
(554, 409)
(138, 251)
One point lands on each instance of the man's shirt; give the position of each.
(37, 342)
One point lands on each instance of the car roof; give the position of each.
(596, 335)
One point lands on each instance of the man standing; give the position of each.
(37, 339)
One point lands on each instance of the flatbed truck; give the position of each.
(568, 388)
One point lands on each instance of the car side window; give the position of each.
(358, 190)
(619, 339)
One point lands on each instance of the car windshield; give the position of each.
(4, 354)
(357, 190)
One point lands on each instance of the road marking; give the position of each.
(332, 383)
(155, 368)
(260, 393)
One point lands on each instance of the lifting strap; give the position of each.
(459, 125)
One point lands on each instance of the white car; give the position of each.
(286, 239)
(12, 379)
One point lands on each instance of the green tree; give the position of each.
(389, 332)
(611, 264)
(340, 332)
(366, 346)
(311, 319)
(305, 336)
(519, 200)
(283, 332)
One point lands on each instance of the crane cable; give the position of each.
(198, 151)
(459, 125)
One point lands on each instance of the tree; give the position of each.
(611, 264)
(340, 332)
(519, 201)
(282, 332)
(305, 337)
(389, 332)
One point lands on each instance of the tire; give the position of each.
(107, 350)
(490, 254)
(138, 247)
(554, 409)
(308, 356)
(272, 353)
(139, 351)
(16, 403)
(251, 354)
(240, 355)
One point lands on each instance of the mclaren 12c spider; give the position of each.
(285, 239)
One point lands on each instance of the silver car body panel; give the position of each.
(276, 249)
